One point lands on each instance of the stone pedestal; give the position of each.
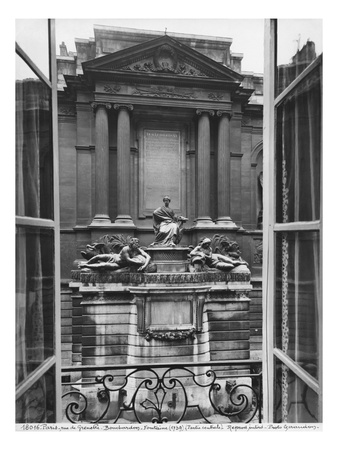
(169, 259)
(172, 316)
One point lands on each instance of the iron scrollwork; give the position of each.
(145, 394)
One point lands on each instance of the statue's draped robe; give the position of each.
(166, 226)
(116, 258)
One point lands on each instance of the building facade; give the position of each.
(146, 114)
(105, 140)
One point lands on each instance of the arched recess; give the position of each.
(257, 185)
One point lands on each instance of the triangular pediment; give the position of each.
(162, 56)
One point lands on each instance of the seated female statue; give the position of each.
(167, 226)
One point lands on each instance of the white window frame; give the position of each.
(54, 360)
(270, 227)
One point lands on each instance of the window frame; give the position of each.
(271, 227)
(54, 224)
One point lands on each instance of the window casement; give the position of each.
(292, 230)
(38, 364)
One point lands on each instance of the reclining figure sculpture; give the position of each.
(131, 256)
(202, 258)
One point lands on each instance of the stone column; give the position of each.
(123, 164)
(223, 171)
(101, 164)
(203, 168)
(236, 165)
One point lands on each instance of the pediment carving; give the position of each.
(163, 55)
(164, 60)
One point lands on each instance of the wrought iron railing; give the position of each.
(208, 392)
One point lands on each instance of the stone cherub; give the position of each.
(167, 226)
(131, 256)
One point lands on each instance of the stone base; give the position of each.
(226, 223)
(169, 259)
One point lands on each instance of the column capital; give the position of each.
(128, 106)
(223, 112)
(96, 105)
(199, 112)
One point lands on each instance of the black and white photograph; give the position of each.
(169, 225)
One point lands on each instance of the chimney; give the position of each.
(63, 49)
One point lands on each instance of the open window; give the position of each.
(292, 230)
(38, 390)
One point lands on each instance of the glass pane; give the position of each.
(37, 404)
(34, 299)
(298, 297)
(294, 401)
(32, 36)
(34, 151)
(299, 42)
(298, 152)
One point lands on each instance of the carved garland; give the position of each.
(177, 335)
(215, 96)
(111, 89)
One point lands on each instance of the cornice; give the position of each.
(113, 76)
(143, 101)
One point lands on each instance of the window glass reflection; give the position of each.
(295, 401)
(34, 156)
(298, 298)
(37, 404)
(32, 36)
(299, 42)
(298, 151)
(34, 299)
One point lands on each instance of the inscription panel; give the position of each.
(170, 313)
(162, 168)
